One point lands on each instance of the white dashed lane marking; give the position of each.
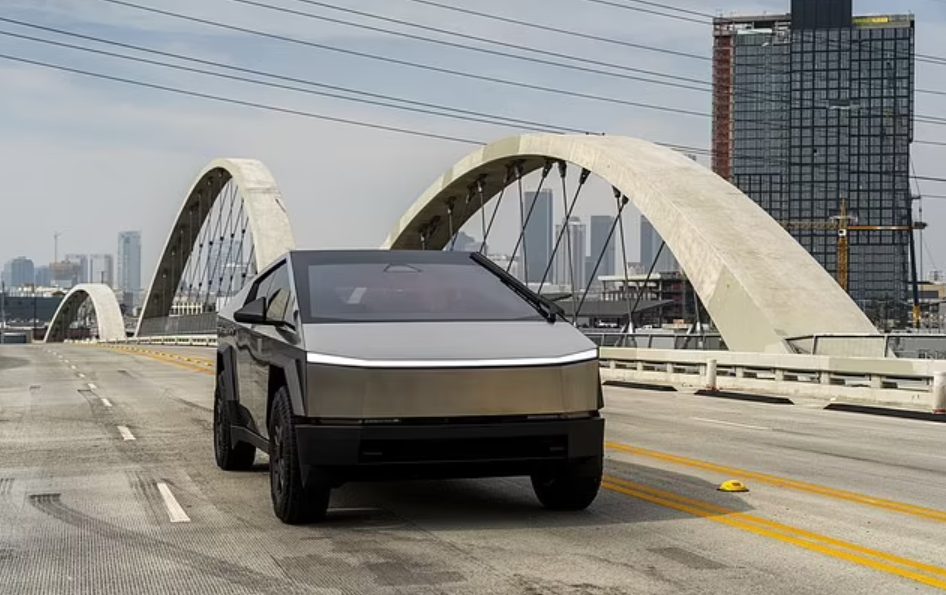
(126, 433)
(175, 512)
(729, 423)
(108, 403)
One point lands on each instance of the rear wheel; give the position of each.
(232, 456)
(572, 486)
(294, 501)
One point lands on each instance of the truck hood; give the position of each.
(436, 344)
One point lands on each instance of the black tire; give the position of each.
(572, 486)
(229, 455)
(294, 501)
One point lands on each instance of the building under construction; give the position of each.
(813, 119)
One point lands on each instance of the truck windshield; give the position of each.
(399, 289)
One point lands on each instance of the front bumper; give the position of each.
(415, 450)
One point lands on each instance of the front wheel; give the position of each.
(294, 501)
(571, 486)
(231, 456)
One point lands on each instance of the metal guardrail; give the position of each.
(703, 341)
(904, 345)
(909, 383)
(179, 340)
(191, 324)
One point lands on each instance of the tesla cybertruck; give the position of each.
(372, 365)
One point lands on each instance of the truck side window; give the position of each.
(279, 301)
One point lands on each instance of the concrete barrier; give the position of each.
(884, 382)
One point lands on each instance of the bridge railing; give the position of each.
(179, 340)
(700, 341)
(905, 345)
(191, 324)
(911, 383)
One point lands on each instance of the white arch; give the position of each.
(265, 212)
(108, 314)
(758, 284)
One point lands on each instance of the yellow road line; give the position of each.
(926, 574)
(781, 482)
(197, 365)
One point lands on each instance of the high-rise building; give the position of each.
(569, 266)
(18, 272)
(601, 241)
(466, 243)
(43, 276)
(650, 250)
(82, 262)
(812, 115)
(63, 274)
(102, 269)
(537, 245)
(128, 266)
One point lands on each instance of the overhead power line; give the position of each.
(408, 63)
(383, 100)
(422, 66)
(562, 31)
(927, 58)
(468, 47)
(314, 115)
(679, 17)
(240, 102)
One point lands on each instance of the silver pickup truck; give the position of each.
(368, 365)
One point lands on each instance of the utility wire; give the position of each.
(779, 97)
(678, 17)
(240, 102)
(408, 63)
(697, 150)
(927, 58)
(562, 31)
(460, 35)
(480, 117)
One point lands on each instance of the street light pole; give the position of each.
(3, 310)
(33, 287)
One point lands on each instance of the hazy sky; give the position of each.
(90, 158)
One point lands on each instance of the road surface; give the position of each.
(108, 485)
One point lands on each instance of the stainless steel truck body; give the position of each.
(362, 365)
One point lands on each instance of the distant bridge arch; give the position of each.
(108, 315)
(255, 208)
(758, 284)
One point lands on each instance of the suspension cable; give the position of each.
(562, 169)
(653, 265)
(522, 232)
(626, 294)
(591, 277)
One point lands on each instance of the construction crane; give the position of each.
(843, 224)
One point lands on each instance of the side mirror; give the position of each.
(252, 313)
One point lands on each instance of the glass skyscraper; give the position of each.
(813, 112)
(129, 262)
(537, 244)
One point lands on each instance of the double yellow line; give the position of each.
(926, 574)
(196, 364)
(781, 482)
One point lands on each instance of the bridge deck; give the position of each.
(94, 469)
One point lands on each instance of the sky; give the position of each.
(89, 158)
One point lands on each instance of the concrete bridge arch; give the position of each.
(757, 283)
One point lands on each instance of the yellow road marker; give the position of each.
(733, 485)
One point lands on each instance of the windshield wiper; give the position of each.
(548, 309)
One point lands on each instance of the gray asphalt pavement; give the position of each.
(108, 485)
